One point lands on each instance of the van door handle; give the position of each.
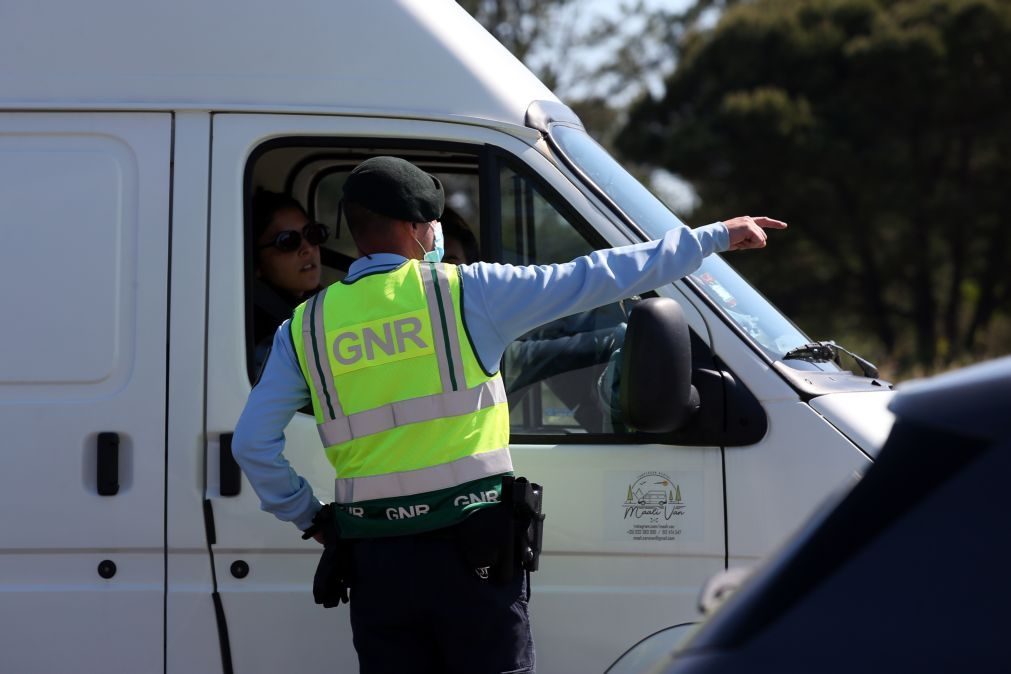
(229, 475)
(107, 476)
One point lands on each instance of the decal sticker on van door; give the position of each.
(654, 507)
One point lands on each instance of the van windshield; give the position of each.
(769, 329)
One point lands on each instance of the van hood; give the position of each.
(863, 417)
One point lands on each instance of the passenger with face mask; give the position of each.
(400, 360)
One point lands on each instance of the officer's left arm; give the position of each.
(258, 443)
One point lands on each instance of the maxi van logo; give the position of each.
(654, 496)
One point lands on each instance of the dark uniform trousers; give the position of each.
(416, 607)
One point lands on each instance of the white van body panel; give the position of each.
(772, 487)
(422, 58)
(862, 417)
(86, 203)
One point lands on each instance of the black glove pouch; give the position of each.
(486, 540)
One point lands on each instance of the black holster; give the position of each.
(526, 498)
(506, 536)
(333, 573)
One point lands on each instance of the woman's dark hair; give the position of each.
(455, 226)
(266, 204)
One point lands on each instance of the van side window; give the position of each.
(556, 375)
(292, 185)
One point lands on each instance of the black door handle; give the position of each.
(108, 464)
(230, 478)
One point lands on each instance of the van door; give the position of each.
(634, 525)
(82, 390)
(262, 569)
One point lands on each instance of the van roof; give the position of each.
(414, 58)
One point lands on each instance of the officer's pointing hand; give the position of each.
(747, 232)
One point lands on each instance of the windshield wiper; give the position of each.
(823, 352)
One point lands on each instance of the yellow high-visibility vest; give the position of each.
(417, 431)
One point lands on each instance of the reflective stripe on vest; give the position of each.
(322, 377)
(409, 483)
(439, 299)
(379, 419)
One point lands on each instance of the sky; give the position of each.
(580, 16)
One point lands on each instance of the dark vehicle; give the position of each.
(908, 572)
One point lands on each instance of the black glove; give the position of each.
(330, 584)
(329, 587)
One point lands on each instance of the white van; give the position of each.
(132, 136)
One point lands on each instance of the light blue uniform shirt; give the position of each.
(502, 303)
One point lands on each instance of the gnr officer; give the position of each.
(400, 361)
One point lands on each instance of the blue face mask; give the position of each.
(439, 245)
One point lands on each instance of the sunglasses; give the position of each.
(289, 240)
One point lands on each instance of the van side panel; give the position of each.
(85, 212)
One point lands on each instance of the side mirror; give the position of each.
(656, 391)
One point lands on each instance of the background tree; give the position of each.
(527, 28)
(596, 57)
(880, 130)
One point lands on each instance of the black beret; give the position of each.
(395, 188)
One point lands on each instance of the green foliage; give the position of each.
(880, 130)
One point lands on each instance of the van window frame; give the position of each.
(308, 141)
(490, 159)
